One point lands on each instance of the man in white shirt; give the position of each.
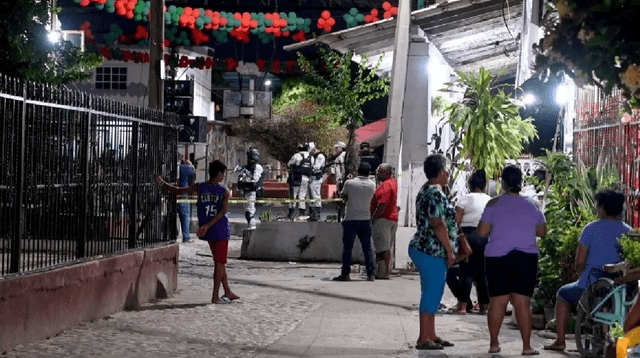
(357, 192)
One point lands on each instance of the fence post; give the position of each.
(81, 240)
(133, 207)
(20, 218)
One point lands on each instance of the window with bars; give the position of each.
(111, 78)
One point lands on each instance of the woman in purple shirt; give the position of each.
(512, 223)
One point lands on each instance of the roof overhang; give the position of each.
(469, 33)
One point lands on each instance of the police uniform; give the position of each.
(248, 182)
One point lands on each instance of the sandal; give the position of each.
(429, 345)
(443, 343)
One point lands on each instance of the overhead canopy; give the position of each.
(469, 33)
(372, 133)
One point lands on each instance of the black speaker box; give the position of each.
(193, 129)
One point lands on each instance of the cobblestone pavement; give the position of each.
(285, 310)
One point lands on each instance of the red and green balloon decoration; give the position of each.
(326, 22)
(353, 18)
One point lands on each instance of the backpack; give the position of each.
(306, 166)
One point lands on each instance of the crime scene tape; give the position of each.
(263, 201)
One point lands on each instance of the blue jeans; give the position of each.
(184, 212)
(350, 229)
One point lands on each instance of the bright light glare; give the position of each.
(529, 99)
(267, 83)
(54, 36)
(562, 94)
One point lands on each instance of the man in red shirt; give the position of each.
(384, 215)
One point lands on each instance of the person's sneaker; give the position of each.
(371, 278)
(342, 278)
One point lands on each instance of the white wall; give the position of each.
(137, 92)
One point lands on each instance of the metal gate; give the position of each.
(77, 176)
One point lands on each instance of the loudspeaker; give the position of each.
(179, 105)
(194, 129)
(178, 88)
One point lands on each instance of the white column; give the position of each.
(393, 137)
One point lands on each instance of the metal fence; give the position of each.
(603, 132)
(77, 176)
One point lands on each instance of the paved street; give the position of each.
(286, 310)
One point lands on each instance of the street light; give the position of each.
(529, 99)
(54, 36)
(267, 83)
(562, 94)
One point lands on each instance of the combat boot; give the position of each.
(292, 214)
(312, 216)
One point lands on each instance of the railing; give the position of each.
(604, 134)
(77, 176)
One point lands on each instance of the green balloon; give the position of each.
(360, 18)
(268, 22)
(299, 22)
(353, 11)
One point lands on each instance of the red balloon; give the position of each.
(326, 14)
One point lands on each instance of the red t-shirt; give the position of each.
(386, 193)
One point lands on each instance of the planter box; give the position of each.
(297, 241)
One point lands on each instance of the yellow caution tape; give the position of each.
(263, 201)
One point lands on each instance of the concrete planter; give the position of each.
(297, 241)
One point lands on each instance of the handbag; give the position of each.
(464, 249)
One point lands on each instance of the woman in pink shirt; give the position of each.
(512, 223)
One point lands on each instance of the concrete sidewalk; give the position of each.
(286, 310)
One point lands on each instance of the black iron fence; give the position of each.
(605, 135)
(76, 177)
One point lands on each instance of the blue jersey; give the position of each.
(210, 198)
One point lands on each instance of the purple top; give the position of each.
(210, 198)
(513, 222)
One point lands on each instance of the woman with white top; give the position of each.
(468, 212)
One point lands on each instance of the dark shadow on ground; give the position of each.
(171, 306)
(316, 293)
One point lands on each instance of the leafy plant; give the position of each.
(342, 93)
(338, 90)
(593, 41)
(295, 124)
(570, 207)
(631, 250)
(489, 122)
(25, 46)
(265, 215)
